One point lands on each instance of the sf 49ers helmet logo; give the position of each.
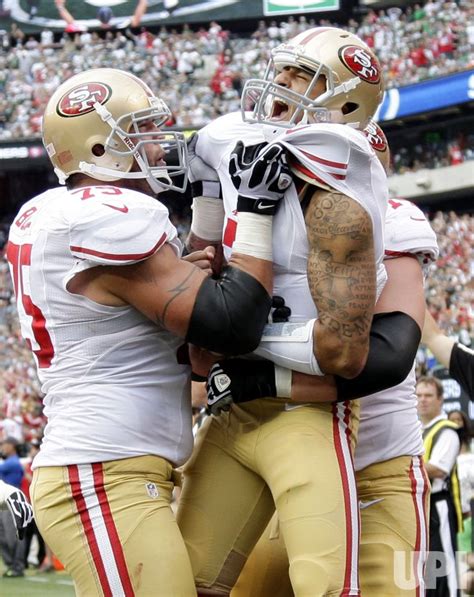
(81, 99)
(375, 136)
(361, 63)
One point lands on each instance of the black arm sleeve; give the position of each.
(229, 313)
(394, 340)
(461, 368)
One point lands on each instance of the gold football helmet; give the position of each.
(99, 123)
(352, 73)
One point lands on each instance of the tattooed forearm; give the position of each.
(358, 327)
(341, 264)
(175, 292)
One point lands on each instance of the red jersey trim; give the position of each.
(121, 256)
(315, 158)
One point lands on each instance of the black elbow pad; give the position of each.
(394, 340)
(229, 313)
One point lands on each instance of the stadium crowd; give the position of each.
(449, 293)
(434, 149)
(200, 73)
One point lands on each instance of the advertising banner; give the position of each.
(57, 15)
(427, 96)
(72, 15)
(290, 7)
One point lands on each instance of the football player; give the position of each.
(105, 302)
(328, 253)
(392, 484)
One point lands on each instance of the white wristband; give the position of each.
(254, 236)
(290, 345)
(283, 379)
(208, 218)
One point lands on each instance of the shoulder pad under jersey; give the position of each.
(114, 226)
(45, 198)
(407, 231)
(59, 192)
(320, 153)
(223, 133)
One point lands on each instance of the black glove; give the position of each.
(262, 181)
(280, 312)
(238, 380)
(21, 511)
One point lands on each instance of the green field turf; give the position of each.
(36, 584)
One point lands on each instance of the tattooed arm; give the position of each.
(342, 280)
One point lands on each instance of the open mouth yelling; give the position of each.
(280, 110)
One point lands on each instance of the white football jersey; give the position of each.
(389, 427)
(389, 424)
(334, 154)
(113, 387)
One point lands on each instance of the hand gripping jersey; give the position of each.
(112, 383)
(389, 424)
(331, 155)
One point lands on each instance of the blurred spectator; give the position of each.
(11, 469)
(441, 442)
(10, 428)
(16, 35)
(13, 550)
(465, 465)
(449, 291)
(434, 149)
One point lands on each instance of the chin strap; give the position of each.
(61, 176)
(93, 170)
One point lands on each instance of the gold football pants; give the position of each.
(260, 455)
(394, 498)
(112, 527)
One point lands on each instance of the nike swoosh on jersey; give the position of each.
(123, 208)
(364, 505)
(418, 219)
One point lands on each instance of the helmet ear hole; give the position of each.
(349, 107)
(98, 150)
